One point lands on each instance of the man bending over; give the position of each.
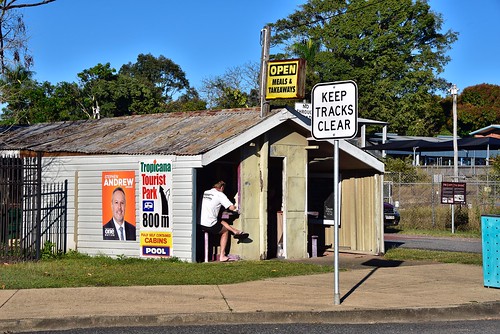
(213, 199)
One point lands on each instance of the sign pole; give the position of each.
(454, 92)
(266, 42)
(335, 116)
(337, 220)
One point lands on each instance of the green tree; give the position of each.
(402, 170)
(67, 103)
(237, 87)
(495, 164)
(133, 97)
(221, 94)
(308, 50)
(28, 101)
(160, 72)
(478, 106)
(107, 94)
(95, 90)
(190, 101)
(100, 91)
(392, 49)
(18, 93)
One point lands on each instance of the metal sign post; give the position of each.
(336, 296)
(335, 116)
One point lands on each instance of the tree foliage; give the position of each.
(144, 87)
(237, 87)
(117, 94)
(190, 101)
(307, 49)
(478, 106)
(495, 164)
(403, 170)
(392, 49)
(13, 38)
(28, 101)
(160, 72)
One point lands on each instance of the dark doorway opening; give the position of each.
(275, 207)
(206, 177)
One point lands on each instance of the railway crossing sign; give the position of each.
(335, 110)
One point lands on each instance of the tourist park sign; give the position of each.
(335, 110)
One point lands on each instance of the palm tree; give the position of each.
(308, 50)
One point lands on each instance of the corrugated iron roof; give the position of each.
(183, 133)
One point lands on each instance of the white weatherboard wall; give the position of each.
(84, 175)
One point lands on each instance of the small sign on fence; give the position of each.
(453, 192)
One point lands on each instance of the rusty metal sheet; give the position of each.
(183, 133)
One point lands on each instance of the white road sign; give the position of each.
(335, 110)
(304, 108)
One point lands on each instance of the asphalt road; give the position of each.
(452, 327)
(468, 245)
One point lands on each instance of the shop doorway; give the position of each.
(275, 223)
(206, 177)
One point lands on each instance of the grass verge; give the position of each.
(83, 271)
(435, 233)
(401, 254)
(76, 270)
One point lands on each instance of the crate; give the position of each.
(490, 227)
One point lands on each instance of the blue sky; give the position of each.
(207, 37)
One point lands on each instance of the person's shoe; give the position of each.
(242, 235)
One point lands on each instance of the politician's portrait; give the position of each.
(117, 228)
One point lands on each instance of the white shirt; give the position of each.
(213, 199)
(117, 227)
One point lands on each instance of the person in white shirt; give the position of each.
(213, 199)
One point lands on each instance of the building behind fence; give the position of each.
(32, 213)
(417, 193)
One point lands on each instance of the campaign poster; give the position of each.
(118, 205)
(156, 208)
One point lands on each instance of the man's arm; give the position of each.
(226, 203)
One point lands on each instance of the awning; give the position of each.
(421, 145)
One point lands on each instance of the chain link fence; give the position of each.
(417, 194)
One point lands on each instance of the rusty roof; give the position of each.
(180, 133)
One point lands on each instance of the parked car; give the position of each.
(391, 215)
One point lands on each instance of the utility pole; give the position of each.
(454, 92)
(265, 40)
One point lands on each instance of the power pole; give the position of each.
(454, 92)
(265, 39)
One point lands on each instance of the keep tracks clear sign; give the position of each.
(335, 110)
(335, 116)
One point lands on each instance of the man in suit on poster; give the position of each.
(117, 228)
